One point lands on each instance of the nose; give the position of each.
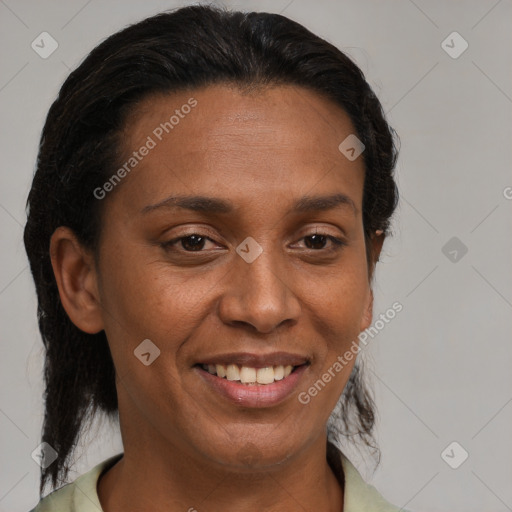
(259, 294)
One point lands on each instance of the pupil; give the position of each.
(195, 245)
(316, 239)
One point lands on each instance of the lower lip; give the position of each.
(254, 395)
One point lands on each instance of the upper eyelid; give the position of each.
(339, 241)
(206, 233)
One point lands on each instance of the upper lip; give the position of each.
(256, 360)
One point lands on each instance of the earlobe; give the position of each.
(76, 279)
(377, 241)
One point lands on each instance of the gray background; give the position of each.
(441, 368)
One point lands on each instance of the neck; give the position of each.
(153, 476)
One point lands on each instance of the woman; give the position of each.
(212, 193)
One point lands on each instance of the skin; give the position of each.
(186, 447)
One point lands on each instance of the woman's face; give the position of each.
(253, 281)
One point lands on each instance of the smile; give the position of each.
(252, 387)
(248, 375)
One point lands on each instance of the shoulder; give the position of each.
(358, 495)
(78, 496)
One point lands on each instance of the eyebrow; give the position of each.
(215, 205)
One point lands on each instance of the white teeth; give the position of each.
(278, 372)
(287, 370)
(265, 375)
(221, 370)
(248, 375)
(232, 372)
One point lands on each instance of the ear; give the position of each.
(76, 278)
(376, 242)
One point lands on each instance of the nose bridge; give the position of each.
(259, 293)
(265, 276)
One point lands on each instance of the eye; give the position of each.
(189, 243)
(317, 241)
(196, 242)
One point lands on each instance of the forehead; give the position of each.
(228, 111)
(262, 140)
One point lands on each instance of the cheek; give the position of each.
(141, 293)
(147, 314)
(338, 295)
(147, 300)
(338, 303)
(345, 321)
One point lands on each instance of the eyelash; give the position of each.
(338, 244)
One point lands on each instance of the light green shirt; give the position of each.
(81, 495)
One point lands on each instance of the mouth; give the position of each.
(250, 375)
(250, 386)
